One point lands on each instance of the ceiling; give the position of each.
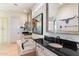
(16, 7)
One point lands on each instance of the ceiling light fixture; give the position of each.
(60, 3)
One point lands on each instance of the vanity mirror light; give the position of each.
(63, 18)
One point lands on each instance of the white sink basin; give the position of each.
(55, 45)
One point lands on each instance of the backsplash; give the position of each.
(65, 36)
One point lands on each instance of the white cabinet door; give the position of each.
(49, 53)
(39, 50)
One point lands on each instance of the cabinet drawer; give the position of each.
(45, 51)
(48, 52)
(39, 52)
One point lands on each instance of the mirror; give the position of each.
(52, 10)
(63, 18)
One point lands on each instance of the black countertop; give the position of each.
(59, 51)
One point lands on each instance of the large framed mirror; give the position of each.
(63, 18)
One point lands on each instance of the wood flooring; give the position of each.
(8, 49)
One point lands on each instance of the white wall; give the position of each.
(64, 36)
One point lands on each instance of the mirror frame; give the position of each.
(47, 19)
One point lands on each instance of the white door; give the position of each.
(3, 29)
(14, 28)
(0, 30)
